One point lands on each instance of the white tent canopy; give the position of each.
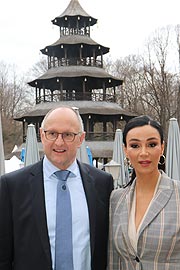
(13, 164)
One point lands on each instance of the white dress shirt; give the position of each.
(80, 216)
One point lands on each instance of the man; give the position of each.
(28, 202)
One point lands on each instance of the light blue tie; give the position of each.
(63, 242)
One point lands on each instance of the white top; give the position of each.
(133, 234)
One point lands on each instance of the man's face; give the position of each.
(59, 152)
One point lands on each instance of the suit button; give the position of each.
(137, 259)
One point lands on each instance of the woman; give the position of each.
(145, 215)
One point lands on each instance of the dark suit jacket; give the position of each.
(24, 241)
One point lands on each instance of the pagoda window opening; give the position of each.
(64, 95)
(80, 31)
(110, 94)
(44, 93)
(46, 97)
(65, 29)
(87, 30)
(84, 88)
(73, 97)
(77, 25)
(49, 62)
(39, 95)
(55, 95)
(53, 61)
(62, 61)
(62, 31)
(99, 62)
(94, 57)
(101, 59)
(65, 56)
(71, 31)
(104, 91)
(80, 52)
(56, 61)
(52, 96)
(97, 95)
(36, 95)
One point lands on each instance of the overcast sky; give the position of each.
(26, 27)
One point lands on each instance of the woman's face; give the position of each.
(144, 149)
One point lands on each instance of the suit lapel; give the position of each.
(90, 193)
(160, 200)
(124, 215)
(38, 205)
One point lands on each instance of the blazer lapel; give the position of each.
(123, 209)
(90, 193)
(124, 214)
(38, 205)
(161, 198)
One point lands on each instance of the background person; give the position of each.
(28, 202)
(145, 215)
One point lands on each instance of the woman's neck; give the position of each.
(147, 182)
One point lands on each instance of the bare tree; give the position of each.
(14, 99)
(130, 70)
(160, 92)
(150, 86)
(177, 30)
(40, 67)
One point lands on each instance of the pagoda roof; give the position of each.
(85, 107)
(74, 9)
(73, 40)
(74, 72)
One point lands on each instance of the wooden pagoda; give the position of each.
(76, 77)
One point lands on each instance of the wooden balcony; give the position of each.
(73, 96)
(100, 136)
(89, 61)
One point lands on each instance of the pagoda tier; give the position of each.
(75, 83)
(74, 50)
(75, 17)
(99, 140)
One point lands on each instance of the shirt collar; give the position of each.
(50, 169)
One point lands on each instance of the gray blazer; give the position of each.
(158, 246)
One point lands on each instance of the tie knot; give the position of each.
(62, 175)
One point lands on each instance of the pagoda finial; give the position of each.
(74, 9)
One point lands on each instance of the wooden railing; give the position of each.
(73, 96)
(100, 136)
(54, 62)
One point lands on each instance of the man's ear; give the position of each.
(81, 138)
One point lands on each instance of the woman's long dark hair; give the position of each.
(140, 121)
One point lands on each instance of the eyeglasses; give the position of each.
(66, 136)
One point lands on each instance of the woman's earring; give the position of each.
(127, 162)
(162, 160)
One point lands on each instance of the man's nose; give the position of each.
(59, 139)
